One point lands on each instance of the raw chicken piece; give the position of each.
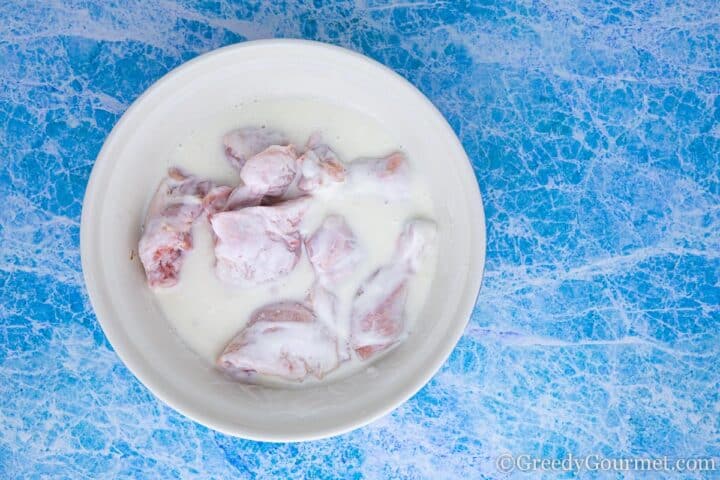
(319, 166)
(258, 244)
(325, 305)
(387, 177)
(378, 328)
(243, 196)
(283, 340)
(216, 199)
(222, 197)
(378, 310)
(167, 235)
(333, 250)
(243, 143)
(271, 171)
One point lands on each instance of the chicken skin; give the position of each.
(333, 250)
(167, 233)
(378, 310)
(271, 171)
(256, 245)
(319, 166)
(386, 177)
(243, 143)
(283, 340)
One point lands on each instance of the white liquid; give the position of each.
(206, 313)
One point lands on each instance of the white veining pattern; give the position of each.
(594, 131)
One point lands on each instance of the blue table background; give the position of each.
(594, 131)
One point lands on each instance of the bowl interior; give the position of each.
(131, 164)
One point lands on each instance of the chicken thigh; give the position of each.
(255, 245)
(167, 236)
(283, 340)
(243, 143)
(378, 309)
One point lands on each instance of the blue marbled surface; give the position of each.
(594, 130)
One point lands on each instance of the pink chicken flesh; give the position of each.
(167, 234)
(386, 177)
(255, 245)
(378, 310)
(333, 249)
(216, 199)
(283, 340)
(243, 196)
(271, 171)
(243, 143)
(319, 166)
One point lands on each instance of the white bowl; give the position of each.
(130, 166)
